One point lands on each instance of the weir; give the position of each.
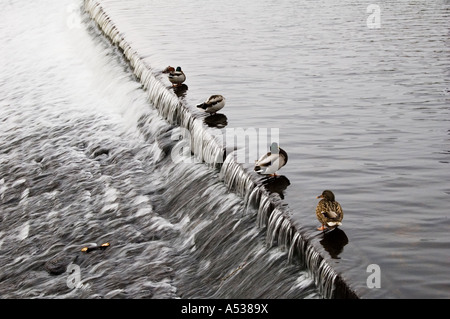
(272, 213)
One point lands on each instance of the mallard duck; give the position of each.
(177, 77)
(271, 162)
(329, 211)
(213, 104)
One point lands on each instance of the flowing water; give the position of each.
(90, 125)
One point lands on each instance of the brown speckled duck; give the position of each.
(328, 211)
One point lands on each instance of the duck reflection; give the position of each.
(276, 184)
(180, 90)
(334, 241)
(217, 120)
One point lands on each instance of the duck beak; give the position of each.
(320, 196)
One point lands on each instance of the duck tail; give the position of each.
(260, 169)
(332, 224)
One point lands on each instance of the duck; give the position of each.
(271, 162)
(329, 211)
(177, 76)
(213, 104)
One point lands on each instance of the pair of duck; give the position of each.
(213, 104)
(328, 211)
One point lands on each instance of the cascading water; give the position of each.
(208, 230)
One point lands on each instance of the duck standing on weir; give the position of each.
(177, 76)
(329, 211)
(271, 162)
(213, 104)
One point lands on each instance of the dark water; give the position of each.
(85, 158)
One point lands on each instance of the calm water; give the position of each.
(361, 111)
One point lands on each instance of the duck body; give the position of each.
(271, 162)
(328, 211)
(213, 104)
(176, 77)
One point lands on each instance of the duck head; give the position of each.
(169, 69)
(327, 195)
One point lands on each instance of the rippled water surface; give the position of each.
(361, 111)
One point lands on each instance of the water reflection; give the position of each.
(217, 120)
(180, 90)
(277, 184)
(334, 241)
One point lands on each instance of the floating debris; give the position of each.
(89, 249)
(234, 272)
